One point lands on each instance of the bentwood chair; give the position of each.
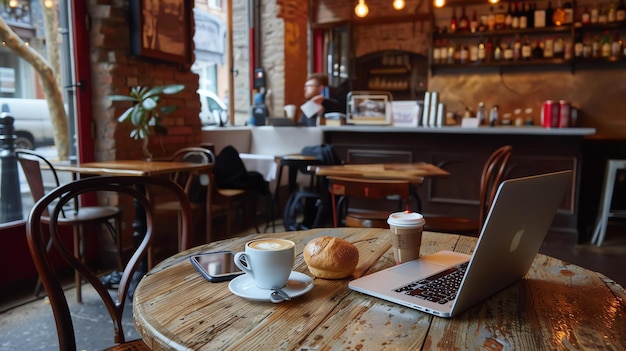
(125, 188)
(79, 217)
(343, 190)
(197, 186)
(491, 177)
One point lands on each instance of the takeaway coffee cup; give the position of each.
(406, 235)
(268, 261)
(290, 111)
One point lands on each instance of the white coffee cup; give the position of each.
(268, 261)
(406, 235)
(290, 111)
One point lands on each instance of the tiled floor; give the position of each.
(30, 326)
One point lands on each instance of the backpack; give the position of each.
(314, 204)
(231, 173)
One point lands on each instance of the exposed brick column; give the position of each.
(114, 71)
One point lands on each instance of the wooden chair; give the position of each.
(197, 186)
(370, 189)
(37, 241)
(492, 175)
(78, 216)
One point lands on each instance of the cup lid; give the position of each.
(406, 219)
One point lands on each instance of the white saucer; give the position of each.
(243, 286)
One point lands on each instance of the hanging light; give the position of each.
(361, 10)
(48, 4)
(439, 3)
(494, 1)
(398, 4)
(13, 3)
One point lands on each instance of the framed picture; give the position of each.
(161, 30)
(369, 107)
(405, 113)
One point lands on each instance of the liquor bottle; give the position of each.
(482, 51)
(500, 18)
(578, 46)
(474, 23)
(559, 47)
(453, 22)
(517, 48)
(569, 12)
(595, 13)
(539, 19)
(530, 16)
(497, 52)
(548, 48)
(508, 18)
(523, 16)
(538, 50)
(558, 16)
(585, 18)
(595, 46)
(606, 45)
(549, 14)
(587, 46)
(616, 45)
(489, 50)
(463, 54)
(491, 19)
(516, 15)
(473, 54)
(611, 14)
(508, 51)
(464, 21)
(526, 49)
(620, 14)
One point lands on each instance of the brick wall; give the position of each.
(114, 71)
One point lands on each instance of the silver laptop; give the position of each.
(513, 232)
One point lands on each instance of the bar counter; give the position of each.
(498, 130)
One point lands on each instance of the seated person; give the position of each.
(314, 91)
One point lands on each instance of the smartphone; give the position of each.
(216, 266)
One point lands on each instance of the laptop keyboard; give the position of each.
(439, 288)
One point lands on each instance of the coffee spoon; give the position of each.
(278, 295)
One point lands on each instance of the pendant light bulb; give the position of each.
(361, 10)
(13, 4)
(398, 4)
(494, 1)
(440, 3)
(48, 4)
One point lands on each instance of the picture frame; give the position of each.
(161, 30)
(405, 113)
(369, 107)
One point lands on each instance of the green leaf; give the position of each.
(173, 89)
(166, 110)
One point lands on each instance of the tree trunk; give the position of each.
(50, 87)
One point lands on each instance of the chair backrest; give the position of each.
(195, 185)
(492, 175)
(31, 164)
(38, 238)
(372, 189)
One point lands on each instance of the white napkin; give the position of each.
(310, 108)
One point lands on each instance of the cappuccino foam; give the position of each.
(271, 244)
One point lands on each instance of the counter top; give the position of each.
(460, 130)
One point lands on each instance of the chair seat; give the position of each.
(367, 218)
(133, 345)
(89, 214)
(456, 225)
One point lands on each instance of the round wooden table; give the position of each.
(557, 306)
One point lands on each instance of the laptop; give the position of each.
(514, 230)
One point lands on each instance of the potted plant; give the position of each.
(146, 112)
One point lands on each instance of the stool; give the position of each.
(604, 211)
(293, 162)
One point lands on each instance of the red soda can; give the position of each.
(564, 114)
(550, 114)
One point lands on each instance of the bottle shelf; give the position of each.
(504, 32)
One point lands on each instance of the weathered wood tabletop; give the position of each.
(557, 306)
(414, 172)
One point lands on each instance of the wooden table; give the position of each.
(558, 306)
(141, 168)
(413, 172)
